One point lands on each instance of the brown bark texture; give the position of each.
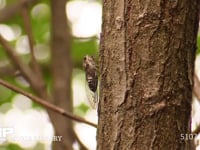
(147, 53)
(61, 71)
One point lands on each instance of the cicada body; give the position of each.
(91, 80)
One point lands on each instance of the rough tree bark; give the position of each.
(146, 62)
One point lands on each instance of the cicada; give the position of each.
(91, 71)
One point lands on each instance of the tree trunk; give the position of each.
(61, 72)
(146, 62)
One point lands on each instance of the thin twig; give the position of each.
(46, 104)
(11, 10)
(81, 145)
(28, 29)
(7, 70)
(24, 69)
(34, 64)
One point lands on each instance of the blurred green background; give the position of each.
(20, 112)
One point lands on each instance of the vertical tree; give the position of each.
(146, 62)
(61, 72)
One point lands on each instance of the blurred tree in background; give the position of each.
(49, 48)
(42, 52)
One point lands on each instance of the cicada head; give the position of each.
(89, 63)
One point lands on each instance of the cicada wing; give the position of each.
(92, 97)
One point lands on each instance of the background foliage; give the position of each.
(19, 109)
(15, 107)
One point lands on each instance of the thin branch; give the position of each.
(27, 26)
(24, 69)
(11, 10)
(28, 29)
(46, 104)
(81, 145)
(7, 70)
(34, 64)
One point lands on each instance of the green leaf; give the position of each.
(13, 147)
(80, 48)
(81, 109)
